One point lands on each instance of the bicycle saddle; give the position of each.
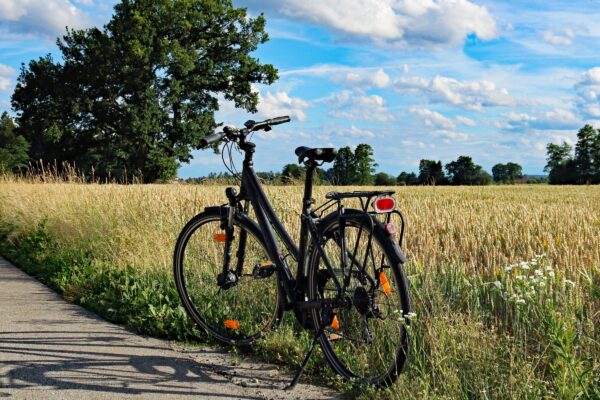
(325, 154)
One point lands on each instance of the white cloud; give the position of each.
(465, 121)
(353, 131)
(411, 143)
(556, 118)
(450, 135)
(45, 18)
(564, 38)
(391, 22)
(6, 74)
(470, 95)
(588, 93)
(279, 104)
(364, 79)
(358, 106)
(433, 118)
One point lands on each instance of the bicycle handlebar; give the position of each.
(210, 139)
(250, 125)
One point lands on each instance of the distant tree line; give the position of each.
(581, 166)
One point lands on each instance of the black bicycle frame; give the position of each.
(251, 190)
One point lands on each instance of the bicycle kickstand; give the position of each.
(324, 322)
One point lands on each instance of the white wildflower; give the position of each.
(551, 274)
(569, 283)
(538, 272)
(520, 301)
(520, 277)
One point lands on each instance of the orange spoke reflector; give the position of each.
(385, 284)
(334, 336)
(220, 237)
(265, 263)
(335, 324)
(232, 324)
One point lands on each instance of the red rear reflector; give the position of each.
(384, 204)
(232, 324)
(220, 237)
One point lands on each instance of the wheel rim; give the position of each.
(240, 313)
(370, 341)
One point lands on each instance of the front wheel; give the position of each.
(366, 341)
(246, 304)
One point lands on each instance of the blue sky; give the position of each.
(413, 78)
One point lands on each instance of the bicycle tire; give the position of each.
(335, 356)
(198, 301)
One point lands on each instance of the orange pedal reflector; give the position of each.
(385, 284)
(334, 336)
(232, 324)
(335, 324)
(220, 237)
(265, 263)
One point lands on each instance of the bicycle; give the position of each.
(349, 288)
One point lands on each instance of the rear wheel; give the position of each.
(248, 304)
(367, 341)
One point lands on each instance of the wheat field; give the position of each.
(472, 341)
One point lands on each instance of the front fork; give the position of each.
(228, 278)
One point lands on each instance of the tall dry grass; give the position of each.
(480, 228)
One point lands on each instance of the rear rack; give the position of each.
(369, 194)
(335, 198)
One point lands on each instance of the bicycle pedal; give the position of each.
(263, 269)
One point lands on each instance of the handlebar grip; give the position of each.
(210, 139)
(279, 120)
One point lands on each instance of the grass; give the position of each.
(482, 330)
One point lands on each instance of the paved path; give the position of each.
(50, 349)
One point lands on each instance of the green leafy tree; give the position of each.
(344, 167)
(365, 164)
(561, 166)
(587, 155)
(13, 147)
(507, 173)
(137, 96)
(407, 178)
(464, 171)
(383, 179)
(431, 172)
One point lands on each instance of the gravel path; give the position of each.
(50, 349)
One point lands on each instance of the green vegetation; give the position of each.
(507, 173)
(583, 167)
(13, 147)
(133, 99)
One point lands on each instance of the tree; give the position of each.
(137, 96)
(561, 166)
(293, 171)
(383, 179)
(365, 164)
(464, 172)
(587, 155)
(13, 147)
(344, 167)
(431, 172)
(407, 178)
(507, 173)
